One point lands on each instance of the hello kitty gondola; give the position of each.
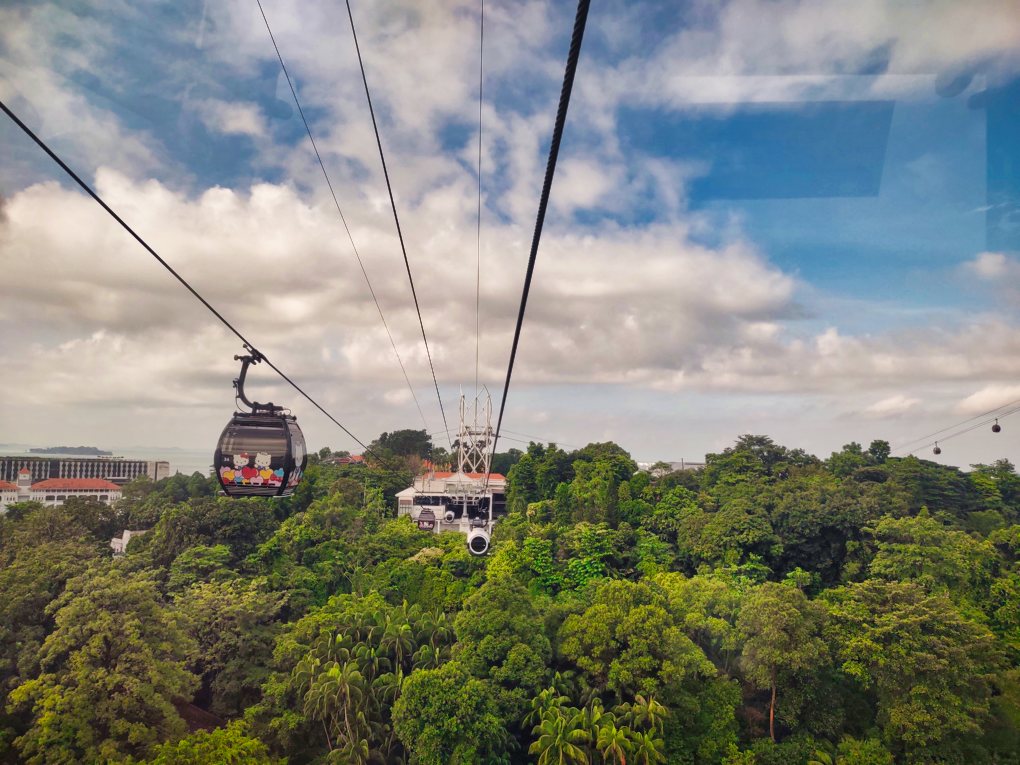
(261, 453)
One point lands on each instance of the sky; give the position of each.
(788, 218)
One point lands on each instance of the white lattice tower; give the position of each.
(475, 440)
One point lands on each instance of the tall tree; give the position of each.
(929, 666)
(446, 716)
(501, 637)
(110, 672)
(781, 630)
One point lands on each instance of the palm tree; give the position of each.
(558, 739)
(643, 713)
(542, 704)
(335, 697)
(614, 743)
(647, 748)
(398, 639)
(592, 718)
(388, 685)
(430, 657)
(354, 753)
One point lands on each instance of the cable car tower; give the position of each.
(471, 481)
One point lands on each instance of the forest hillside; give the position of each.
(773, 608)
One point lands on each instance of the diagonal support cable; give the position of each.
(396, 218)
(343, 220)
(99, 200)
(573, 55)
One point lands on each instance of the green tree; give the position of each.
(706, 608)
(845, 462)
(446, 716)
(404, 443)
(110, 671)
(522, 484)
(593, 491)
(628, 642)
(781, 630)
(233, 624)
(200, 563)
(501, 638)
(240, 524)
(224, 746)
(922, 550)
(928, 666)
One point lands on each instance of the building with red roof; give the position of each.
(441, 500)
(55, 491)
(8, 494)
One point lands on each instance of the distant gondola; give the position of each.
(261, 453)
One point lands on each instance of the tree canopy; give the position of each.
(772, 608)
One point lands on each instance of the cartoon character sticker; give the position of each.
(239, 474)
(266, 475)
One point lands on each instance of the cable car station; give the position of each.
(469, 500)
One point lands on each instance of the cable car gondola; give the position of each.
(996, 428)
(261, 453)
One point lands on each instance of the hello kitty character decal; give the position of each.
(266, 475)
(240, 472)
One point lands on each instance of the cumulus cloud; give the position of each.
(795, 50)
(892, 406)
(992, 265)
(231, 118)
(989, 398)
(678, 302)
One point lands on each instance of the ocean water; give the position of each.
(185, 461)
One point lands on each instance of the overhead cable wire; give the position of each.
(554, 148)
(350, 236)
(541, 440)
(248, 344)
(396, 218)
(531, 439)
(478, 233)
(981, 424)
(909, 445)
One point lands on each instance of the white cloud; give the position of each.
(231, 118)
(88, 320)
(993, 265)
(795, 50)
(989, 398)
(892, 406)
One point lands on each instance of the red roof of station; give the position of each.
(6, 486)
(75, 483)
(448, 474)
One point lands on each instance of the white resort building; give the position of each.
(55, 491)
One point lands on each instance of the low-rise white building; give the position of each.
(445, 501)
(120, 544)
(8, 495)
(56, 491)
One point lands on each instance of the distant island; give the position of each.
(89, 450)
